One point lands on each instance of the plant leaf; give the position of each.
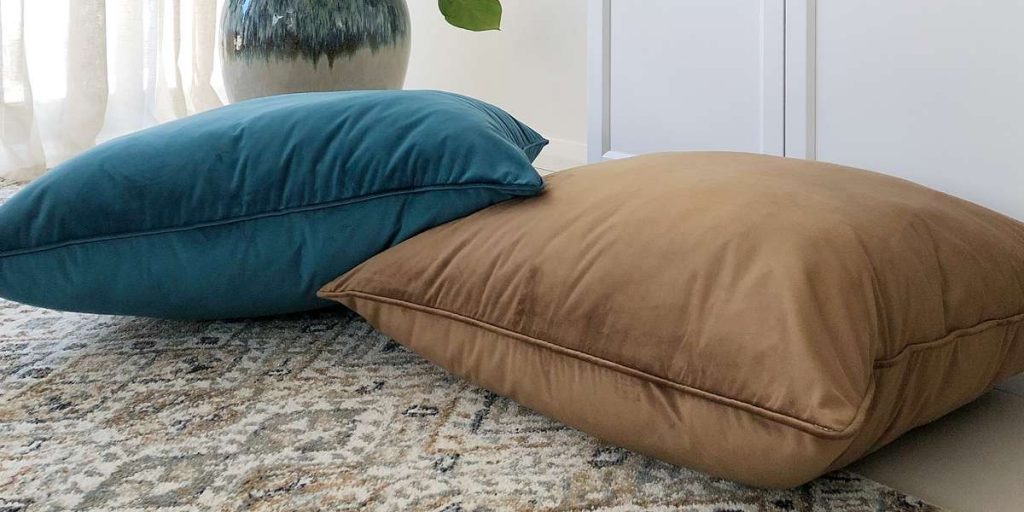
(475, 15)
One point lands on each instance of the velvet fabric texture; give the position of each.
(247, 210)
(758, 318)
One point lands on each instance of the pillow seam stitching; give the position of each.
(769, 414)
(801, 424)
(258, 216)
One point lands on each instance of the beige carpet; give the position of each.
(309, 412)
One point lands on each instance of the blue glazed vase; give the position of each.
(284, 46)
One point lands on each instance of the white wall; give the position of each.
(535, 68)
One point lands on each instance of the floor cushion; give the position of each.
(758, 318)
(248, 209)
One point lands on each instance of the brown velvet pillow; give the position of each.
(758, 318)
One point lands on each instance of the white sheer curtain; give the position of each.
(78, 72)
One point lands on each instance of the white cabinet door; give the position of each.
(686, 75)
(928, 90)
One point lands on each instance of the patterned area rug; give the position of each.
(310, 412)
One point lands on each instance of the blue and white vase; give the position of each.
(283, 46)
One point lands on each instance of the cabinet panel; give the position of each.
(928, 90)
(692, 75)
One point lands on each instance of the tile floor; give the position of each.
(972, 460)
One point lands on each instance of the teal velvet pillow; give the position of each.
(247, 210)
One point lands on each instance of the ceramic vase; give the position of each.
(284, 46)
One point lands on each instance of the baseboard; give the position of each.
(562, 154)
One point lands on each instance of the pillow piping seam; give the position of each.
(275, 213)
(770, 414)
(949, 337)
(764, 412)
(541, 143)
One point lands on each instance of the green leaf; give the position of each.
(476, 15)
